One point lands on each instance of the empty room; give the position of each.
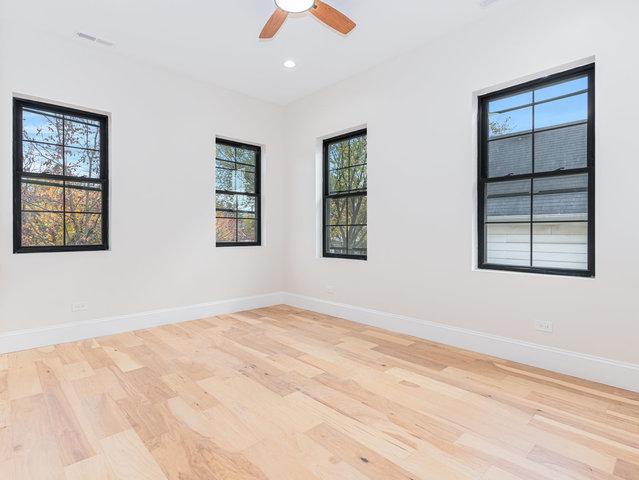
(319, 240)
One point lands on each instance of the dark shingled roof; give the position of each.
(562, 147)
(564, 196)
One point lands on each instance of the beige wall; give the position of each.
(420, 113)
(163, 129)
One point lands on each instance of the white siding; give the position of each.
(555, 245)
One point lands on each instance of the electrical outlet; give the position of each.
(544, 326)
(330, 289)
(79, 307)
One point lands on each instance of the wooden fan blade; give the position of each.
(274, 23)
(332, 17)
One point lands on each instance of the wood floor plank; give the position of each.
(364, 459)
(128, 457)
(627, 470)
(94, 468)
(280, 393)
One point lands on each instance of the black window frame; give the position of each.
(19, 104)
(483, 179)
(257, 195)
(327, 195)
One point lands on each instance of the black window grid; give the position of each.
(20, 175)
(236, 213)
(356, 253)
(589, 170)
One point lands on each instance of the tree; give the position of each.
(58, 211)
(236, 213)
(347, 230)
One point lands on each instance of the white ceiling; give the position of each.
(217, 40)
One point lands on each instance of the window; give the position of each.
(60, 179)
(344, 225)
(237, 194)
(536, 176)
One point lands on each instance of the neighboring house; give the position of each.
(557, 245)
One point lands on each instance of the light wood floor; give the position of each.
(280, 393)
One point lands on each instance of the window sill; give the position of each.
(538, 273)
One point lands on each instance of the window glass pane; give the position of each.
(246, 230)
(42, 194)
(225, 152)
(83, 229)
(508, 201)
(245, 167)
(561, 88)
(514, 121)
(244, 181)
(508, 244)
(510, 156)
(511, 101)
(561, 198)
(82, 163)
(562, 111)
(246, 157)
(83, 197)
(39, 127)
(225, 229)
(357, 240)
(338, 155)
(560, 245)
(41, 158)
(42, 229)
(245, 203)
(225, 201)
(235, 180)
(224, 178)
(358, 146)
(81, 134)
(338, 180)
(336, 240)
(357, 206)
(561, 148)
(337, 214)
(357, 178)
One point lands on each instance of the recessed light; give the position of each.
(290, 64)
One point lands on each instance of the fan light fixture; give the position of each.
(320, 10)
(295, 6)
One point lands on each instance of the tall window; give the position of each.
(344, 225)
(60, 179)
(536, 176)
(237, 194)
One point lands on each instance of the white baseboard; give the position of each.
(590, 367)
(74, 331)
(598, 369)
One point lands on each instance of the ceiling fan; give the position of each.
(325, 13)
